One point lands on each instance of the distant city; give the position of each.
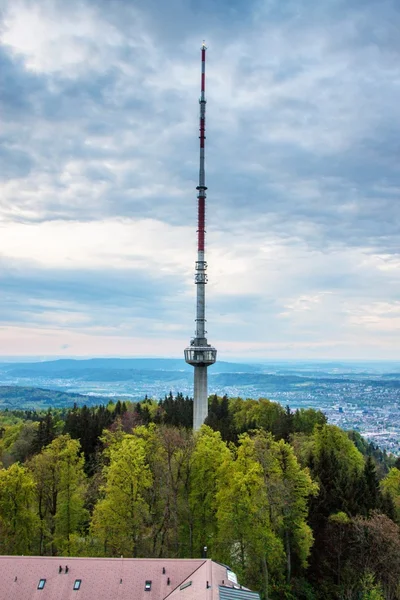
(363, 396)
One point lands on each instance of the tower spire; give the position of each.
(200, 354)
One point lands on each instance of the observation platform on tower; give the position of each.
(200, 354)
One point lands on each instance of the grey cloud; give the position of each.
(29, 291)
(17, 88)
(15, 162)
(302, 143)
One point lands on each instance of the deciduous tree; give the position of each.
(120, 518)
(60, 493)
(209, 453)
(17, 517)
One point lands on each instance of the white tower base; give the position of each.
(200, 402)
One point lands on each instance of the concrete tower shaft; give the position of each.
(200, 354)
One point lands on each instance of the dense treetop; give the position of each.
(297, 507)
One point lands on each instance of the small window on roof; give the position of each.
(77, 584)
(41, 584)
(147, 586)
(185, 585)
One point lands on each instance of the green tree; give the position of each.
(336, 550)
(208, 455)
(305, 420)
(16, 443)
(168, 452)
(71, 514)
(60, 494)
(371, 590)
(337, 466)
(86, 425)
(289, 487)
(45, 433)
(17, 518)
(220, 417)
(246, 539)
(372, 497)
(120, 518)
(176, 411)
(391, 485)
(261, 414)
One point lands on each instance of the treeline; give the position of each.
(297, 507)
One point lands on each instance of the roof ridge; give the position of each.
(97, 558)
(190, 574)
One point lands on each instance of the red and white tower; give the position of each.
(200, 354)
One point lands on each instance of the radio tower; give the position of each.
(200, 354)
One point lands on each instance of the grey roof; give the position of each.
(233, 593)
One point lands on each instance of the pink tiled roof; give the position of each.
(204, 583)
(103, 578)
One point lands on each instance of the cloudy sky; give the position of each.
(99, 164)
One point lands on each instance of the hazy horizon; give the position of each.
(238, 359)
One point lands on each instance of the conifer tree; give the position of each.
(45, 433)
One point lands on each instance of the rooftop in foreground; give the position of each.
(55, 578)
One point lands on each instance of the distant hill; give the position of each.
(48, 383)
(322, 385)
(71, 367)
(16, 398)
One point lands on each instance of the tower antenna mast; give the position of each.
(200, 354)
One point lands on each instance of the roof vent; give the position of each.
(168, 581)
(60, 569)
(163, 570)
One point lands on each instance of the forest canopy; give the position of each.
(297, 507)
